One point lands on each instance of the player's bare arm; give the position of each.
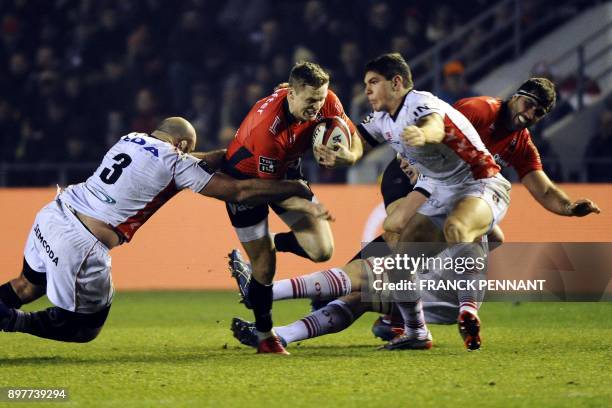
(212, 158)
(254, 191)
(429, 129)
(300, 204)
(554, 199)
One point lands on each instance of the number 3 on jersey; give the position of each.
(110, 176)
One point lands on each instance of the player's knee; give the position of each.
(86, 334)
(455, 231)
(321, 253)
(77, 327)
(392, 225)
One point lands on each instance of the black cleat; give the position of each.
(244, 332)
(5, 316)
(387, 330)
(469, 328)
(241, 271)
(409, 342)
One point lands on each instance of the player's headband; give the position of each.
(534, 97)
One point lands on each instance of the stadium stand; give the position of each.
(74, 74)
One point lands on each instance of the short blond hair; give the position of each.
(307, 74)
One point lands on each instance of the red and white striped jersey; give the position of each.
(461, 156)
(136, 177)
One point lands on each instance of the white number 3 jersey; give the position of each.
(136, 177)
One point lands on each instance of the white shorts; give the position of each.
(78, 266)
(495, 191)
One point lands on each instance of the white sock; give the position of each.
(414, 319)
(328, 284)
(334, 317)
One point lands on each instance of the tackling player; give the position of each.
(67, 252)
(269, 144)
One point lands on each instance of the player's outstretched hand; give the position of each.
(413, 136)
(339, 156)
(583, 207)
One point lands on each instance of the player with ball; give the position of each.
(269, 144)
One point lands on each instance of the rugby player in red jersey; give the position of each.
(269, 144)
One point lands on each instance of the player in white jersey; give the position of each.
(67, 252)
(468, 195)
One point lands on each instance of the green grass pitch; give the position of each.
(175, 349)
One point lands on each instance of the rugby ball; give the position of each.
(331, 132)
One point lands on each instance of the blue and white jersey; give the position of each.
(136, 177)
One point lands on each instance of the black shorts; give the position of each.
(243, 216)
(395, 183)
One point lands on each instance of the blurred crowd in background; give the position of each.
(76, 75)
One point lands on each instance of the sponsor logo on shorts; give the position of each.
(268, 165)
(45, 245)
(236, 208)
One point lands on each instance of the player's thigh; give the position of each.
(472, 216)
(309, 227)
(420, 228)
(309, 231)
(402, 210)
(315, 236)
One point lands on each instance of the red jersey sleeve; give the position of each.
(526, 157)
(333, 107)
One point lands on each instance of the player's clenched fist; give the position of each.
(413, 136)
(583, 207)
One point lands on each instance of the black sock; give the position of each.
(376, 243)
(287, 242)
(260, 297)
(9, 297)
(58, 324)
